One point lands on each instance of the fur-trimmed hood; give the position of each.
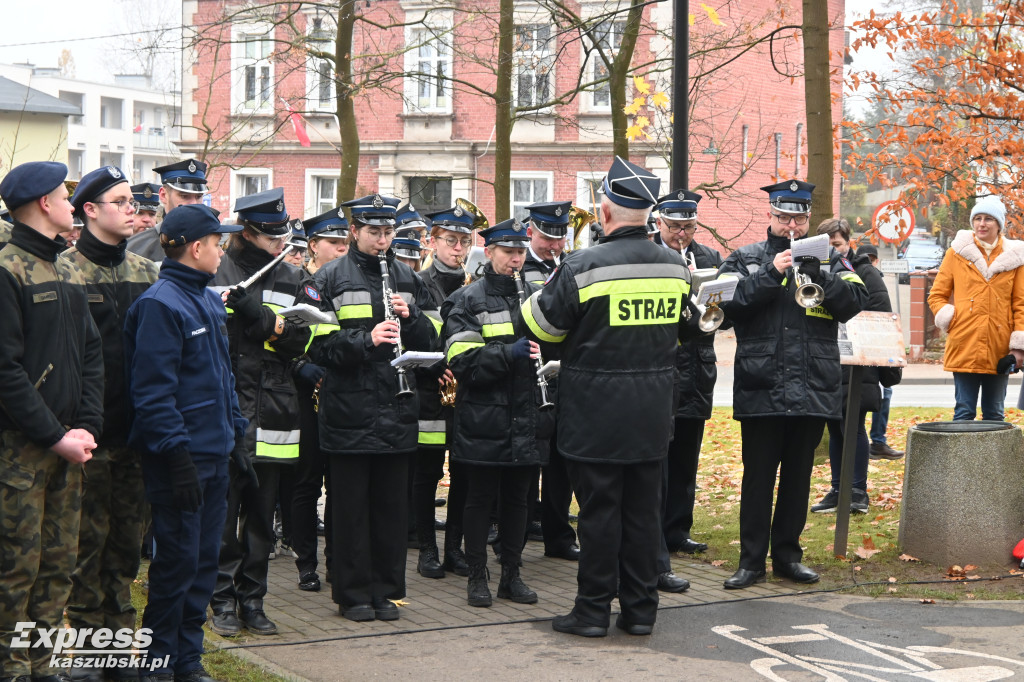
(1011, 258)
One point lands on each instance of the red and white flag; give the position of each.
(298, 125)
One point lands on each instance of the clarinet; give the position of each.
(542, 382)
(404, 390)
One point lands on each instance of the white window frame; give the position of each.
(236, 181)
(530, 59)
(595, 65)
(583, 191)
(547, 176)
(312, 199)
(240, 63)
(314, 76)
(440, 93)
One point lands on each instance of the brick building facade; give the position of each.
(425, 139)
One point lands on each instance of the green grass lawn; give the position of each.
(872, 553)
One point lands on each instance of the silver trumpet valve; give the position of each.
(807, 293)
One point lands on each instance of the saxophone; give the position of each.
(404, 390)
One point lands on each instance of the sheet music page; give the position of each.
(816, 247)
(417, 358)
(717, 292)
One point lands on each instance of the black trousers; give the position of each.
(247, 540)
(782, 446)
(368, 527)
(620, 534)
(681, 481)
(483, 484)
(555, 498)
(430, 470)
(311, 476)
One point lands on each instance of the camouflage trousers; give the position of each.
(109, 541)
(40, 508)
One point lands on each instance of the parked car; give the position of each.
(921, 255)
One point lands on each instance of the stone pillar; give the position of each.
(963, 499)
(917, 317)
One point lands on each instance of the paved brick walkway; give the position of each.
(441, 603)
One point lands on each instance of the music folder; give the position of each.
(417, 358)
(304, 315)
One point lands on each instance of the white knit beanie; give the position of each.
(993, 206)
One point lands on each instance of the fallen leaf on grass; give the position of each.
(868, 542)
(856, 568)
(892, 579)
(719, 562)
(907, 557)
(892, 589)
(734, 542)
(832, 527)
(955, 573)
(974, 577)
(970, 567)
(927, 601)
(865, 553)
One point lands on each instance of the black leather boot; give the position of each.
(454, 557)
(477, 591)
(428, 565)
(511, 586)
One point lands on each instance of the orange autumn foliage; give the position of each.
(952, 129)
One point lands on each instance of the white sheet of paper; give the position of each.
(549, 369)
(721, 290)
(417, 358)
(816, 247)
(304, 314)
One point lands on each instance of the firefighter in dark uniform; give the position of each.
(695, 361)
(263, 345)
(548, 230)
(615, 309)
(367, 428)
(497, 421)
(113, 500)
(787, 380)
(311, 473)
(186, 423)
(147, 196)
(451, 234)
(51, 393)
(182, 182)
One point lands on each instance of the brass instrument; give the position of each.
(461, 262)
(479, 219)
(447, 391)
(711, 316)
(404, 390)
(807, 294)
(580, 220)
(542, 382)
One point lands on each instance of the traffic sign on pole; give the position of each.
(893, 221)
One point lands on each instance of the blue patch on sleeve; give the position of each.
(312, 293)
(846, 264)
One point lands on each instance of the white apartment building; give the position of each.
(127, 124)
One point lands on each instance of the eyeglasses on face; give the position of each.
(795, 219)
(376, 235)
(453, 241)
(121, 204)
(676, 228)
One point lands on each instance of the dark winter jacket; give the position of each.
(787, 357)
(435, 420)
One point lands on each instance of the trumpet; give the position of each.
(711, 316)
(404, 390)
(542, 382)
(807, 294)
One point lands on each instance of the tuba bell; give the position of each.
(579, 221)
(479, 219)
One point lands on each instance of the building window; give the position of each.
(429, 64)
(608, 35)
(534, 61)
(320, 72)
(251, 183)
(78, 100)
(76, 161)
(111, 159)
(325, 192)
(430, 194)
(528, 189)
(254, 89)
(111, 112)
(588, 191)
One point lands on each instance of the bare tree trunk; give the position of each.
(345, 107)
(818, 97)
(618, 75)
(503, 114)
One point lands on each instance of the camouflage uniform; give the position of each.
(51, 379)
(112, 496)
(5, 232)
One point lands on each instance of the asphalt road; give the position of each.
(803, 637)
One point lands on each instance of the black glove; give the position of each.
(311, 372)
(184, 480)
(244, 303)
(240, 456)
(1007, 365)
(520, 349)
(811, 266)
